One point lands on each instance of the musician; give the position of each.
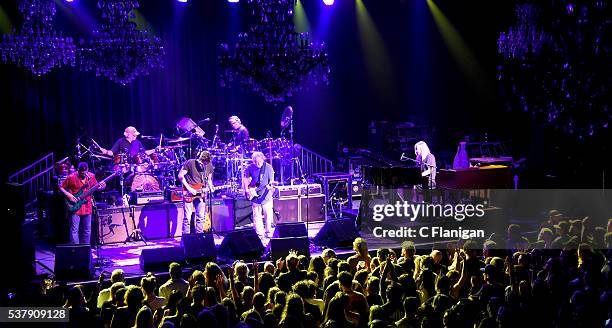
(129, 145)
(196, 174)
(80, 220)
(258, 183)
(241, 133)
(427, 161)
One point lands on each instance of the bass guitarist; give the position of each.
(258, 184)
(196, 175)
(78, 183)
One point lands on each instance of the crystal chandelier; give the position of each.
(560, 77)
(38, 47)
(118, 50)
(524, 38)
(272, 59)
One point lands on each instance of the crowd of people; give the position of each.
(560, 280)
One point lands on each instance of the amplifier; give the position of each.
(146, 197)
(174, 194)
(298, 190)
(313, 188)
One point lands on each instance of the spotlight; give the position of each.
(183, 1)
(233, 1)
(69, 0)
(328, 2)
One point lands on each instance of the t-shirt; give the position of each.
(73, 184)
(260, 178)
(123, 146)
(241, 135)
(197, 173)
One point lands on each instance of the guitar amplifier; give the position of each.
(146, 197)
(174, 194)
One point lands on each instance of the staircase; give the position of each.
(33, 178)
(313, 163)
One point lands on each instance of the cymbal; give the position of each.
(182, 139)
(286, 117)
(149, 137)
(101, 157)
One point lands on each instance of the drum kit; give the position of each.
(159, 170)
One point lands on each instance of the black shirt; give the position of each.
(241, 135)
(196, 172)
(131, 148)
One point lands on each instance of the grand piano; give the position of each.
(394, 176)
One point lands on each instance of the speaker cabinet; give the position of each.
(199, 247)
(336, 232)
(280, 247)
(73, 262)
(312, 208)
(223, 215)
(243, 244)
(158, 259)
(285, 230)
(286, 210)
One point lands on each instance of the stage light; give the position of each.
(183, 1)
(328, 2)
(233, 1)
(69, 0)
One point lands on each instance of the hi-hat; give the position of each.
(177, 140)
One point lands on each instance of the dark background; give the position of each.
(44, 114)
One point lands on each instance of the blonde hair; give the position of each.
(234, 118)
(422, 147)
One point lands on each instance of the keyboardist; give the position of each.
(427, 161)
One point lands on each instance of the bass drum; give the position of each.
(142, 182)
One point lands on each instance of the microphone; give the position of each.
(216, 128)
(204, 120)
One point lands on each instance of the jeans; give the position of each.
(199, 208)
(260, 211)
(80, 229)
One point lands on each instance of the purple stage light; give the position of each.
(328, 2)
(183, 1)
(233, 1)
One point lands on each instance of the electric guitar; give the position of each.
(82, 195)
(257, 194)
(201, 191)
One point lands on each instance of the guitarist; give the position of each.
(258, 182)
(80, 220)
(195, 175)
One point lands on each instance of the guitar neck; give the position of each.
(93, 189)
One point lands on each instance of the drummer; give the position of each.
(128, 145)
(241, 133)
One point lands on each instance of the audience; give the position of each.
(560, 279)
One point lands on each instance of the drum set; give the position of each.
(159, 170)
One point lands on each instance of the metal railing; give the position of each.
(36, 176)
(313, 163)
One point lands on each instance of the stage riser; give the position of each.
(158, 221)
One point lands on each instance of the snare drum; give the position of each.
(142, 182)
(120, 158)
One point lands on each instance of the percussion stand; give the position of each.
(136, 234)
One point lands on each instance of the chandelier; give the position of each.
(560, 77)
(38, 47)
(524, 38)
(118, 50)
(272, 59)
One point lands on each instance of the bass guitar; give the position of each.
(82, 195)
(201, 191)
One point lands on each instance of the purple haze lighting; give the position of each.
(328, 2)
